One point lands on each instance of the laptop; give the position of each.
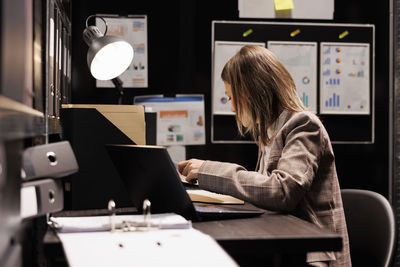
(149, 173)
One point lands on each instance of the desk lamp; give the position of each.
(108, 56)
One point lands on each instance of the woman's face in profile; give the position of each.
(244, 118)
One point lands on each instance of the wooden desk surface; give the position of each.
(273, 232)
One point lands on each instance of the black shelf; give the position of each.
(18, 121)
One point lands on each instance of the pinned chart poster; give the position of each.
(300, 59)
(294, 9)
(180, 119)
(134, 31)
(223, 51)
(345, 78)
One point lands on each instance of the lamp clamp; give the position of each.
(92, 32)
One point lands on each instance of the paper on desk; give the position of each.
(102, 223)
(199, 195)
(177, 247)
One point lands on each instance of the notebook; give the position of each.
(149, 173)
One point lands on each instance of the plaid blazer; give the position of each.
(296, 174)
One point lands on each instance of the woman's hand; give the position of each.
(190, 169)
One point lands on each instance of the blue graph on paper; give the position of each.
(327, 51)
(333, 101)
(304, 99)
(333, 81)
(327, 72)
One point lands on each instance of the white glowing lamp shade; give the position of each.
(111, 60)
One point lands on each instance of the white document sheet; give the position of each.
(223, 51)
(300, 59)
(28, 204)
(302, 9)
(183, 247)
(345, 78)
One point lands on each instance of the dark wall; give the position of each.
(367, 166)
(179, 45)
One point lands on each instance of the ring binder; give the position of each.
(111, 209)
(123, 223)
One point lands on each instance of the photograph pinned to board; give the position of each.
(223, 51)
(132, 29)
(300, 59)
(180, 119)
(345, 78)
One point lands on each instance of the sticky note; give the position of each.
(283, 4)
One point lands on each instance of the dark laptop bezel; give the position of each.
(160, 177)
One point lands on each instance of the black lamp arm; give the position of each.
(118, 84)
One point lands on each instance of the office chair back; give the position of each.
(371, 227)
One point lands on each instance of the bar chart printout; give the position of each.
(345, 78)
(300, 59)
(304, 98)
(333, 101)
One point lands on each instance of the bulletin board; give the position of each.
(332, 66)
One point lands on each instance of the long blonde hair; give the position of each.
(261, 88)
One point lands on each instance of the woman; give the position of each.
(296, 170)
